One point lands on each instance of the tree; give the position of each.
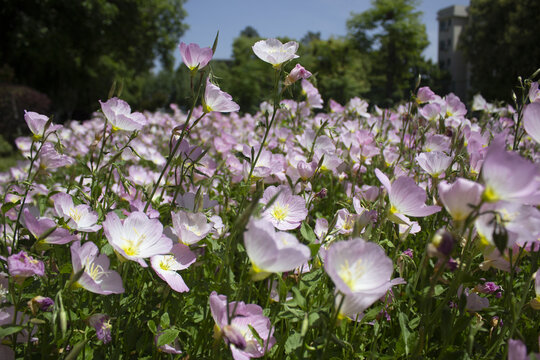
(501, 43)
(309, 37)
(249, 32)
(73, 50)
(393, 36)
(341, 71)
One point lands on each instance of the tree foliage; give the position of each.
(73, 50)
(501, 43)
(393, 37)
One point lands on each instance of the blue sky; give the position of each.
(292, 18)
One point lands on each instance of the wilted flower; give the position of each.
(194, 57)
(137, 237)
(237, 324)
(40, 303)
(167, 265)
(22, 265)
(275, 52)
(96, 277)
(271, 251)
(102, 324)
(217, 100)
(118, 113)
(474, 301)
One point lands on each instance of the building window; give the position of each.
(448, 62)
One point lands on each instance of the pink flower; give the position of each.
(37, 122)
(531, 121)
(190, 228)
(21, 265)
(45, 229)
(314, 98)
(80, 217)
(271, 251)
(296, 74)
(275, 52)
(97, 277)
(237, 322)
(50, 159)
(425, 94)
(508, 176)
(194, 57)
(137, 237)
(434, 163)
(460, 197)
(167, 265)
(406, 198)
(287, 211)
(217, 100)
(118, 113)
(361, 272)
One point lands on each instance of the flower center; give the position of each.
(280, 212)
(75, 214)
(96, 272)
(167, 262)
(490, 195)
(350, 274)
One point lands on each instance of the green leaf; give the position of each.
(300, 300)
(66, 268)
(73, 354)
(403, 320)
(152, 326)
(167, 337)
(308, 233)
(293, 342)
(9, 205)
(165, 321)
(6, 331)
(314, 248)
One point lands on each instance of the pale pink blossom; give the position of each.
(275, 52)
(217, 100)
(287, 211)
(460, 197)
(297, 73)
(118, 113)
(166, 266)
(271, 251)
(137, 237)
(194, 57)
(80, 217)
(96, 277)
(236, 321)
(531, 120)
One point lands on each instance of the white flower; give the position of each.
(274, 52)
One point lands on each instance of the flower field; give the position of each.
(291, 233)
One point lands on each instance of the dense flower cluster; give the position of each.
(360, 213)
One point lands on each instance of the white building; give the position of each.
(452, 21)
